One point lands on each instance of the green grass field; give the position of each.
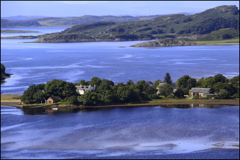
(235, 40)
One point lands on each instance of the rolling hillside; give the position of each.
(67, 22)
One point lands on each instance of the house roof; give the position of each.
(83, 87)
(200, 90)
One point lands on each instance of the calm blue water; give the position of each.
(34, 63)
(143, 132)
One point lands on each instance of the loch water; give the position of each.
(35, 63)
(141, 132)
(210, 132)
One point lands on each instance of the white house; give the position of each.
(83, 88)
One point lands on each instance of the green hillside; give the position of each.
(226, 33)
(168, 26)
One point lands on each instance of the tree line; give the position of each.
(106, 92)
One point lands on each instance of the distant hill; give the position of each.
(14, 18)
(14, 24)
(168, 26)
(68, 21)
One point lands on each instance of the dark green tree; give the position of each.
(220, 78)
(179, 93)
(156, 83)
(90, 98)
(34, 94)
(60, 88)
(95, 81)
(186, 82)
(83, 82)
(166, 90)
(130, 82)
(105, 85)
(167, 79)
(223, 94)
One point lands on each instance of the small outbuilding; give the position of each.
(53, 100)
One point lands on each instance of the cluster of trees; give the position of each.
(66, 91)
(106, 92)
(220, 85)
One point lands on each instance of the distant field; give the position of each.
(13, 97)
(17, 31)
(220, 42)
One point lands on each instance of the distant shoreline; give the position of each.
(206, 43)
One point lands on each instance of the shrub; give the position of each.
(195, 97)
(236, 95)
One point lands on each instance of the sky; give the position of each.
(99, 8)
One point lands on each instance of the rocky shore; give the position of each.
(168, 42)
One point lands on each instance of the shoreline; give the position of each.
(135, 45)
(7, 100)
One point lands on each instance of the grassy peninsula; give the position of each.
(142, 93)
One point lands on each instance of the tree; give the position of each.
(223, 94)
(156, 83)
(95, 81)
(167, 79)
(83, 82)
(142, 85)
(90, 98)
(130, 82)
(107, 96)
(34, 94)
(179, 93)
(220, 78)
(218, 86)
(60, 88)
(235, 81)
(166, 90)
(105, 85)
(123, 93)
(186, 82)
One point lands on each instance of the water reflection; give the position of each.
(51, 111)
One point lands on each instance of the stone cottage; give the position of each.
(201, 92)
